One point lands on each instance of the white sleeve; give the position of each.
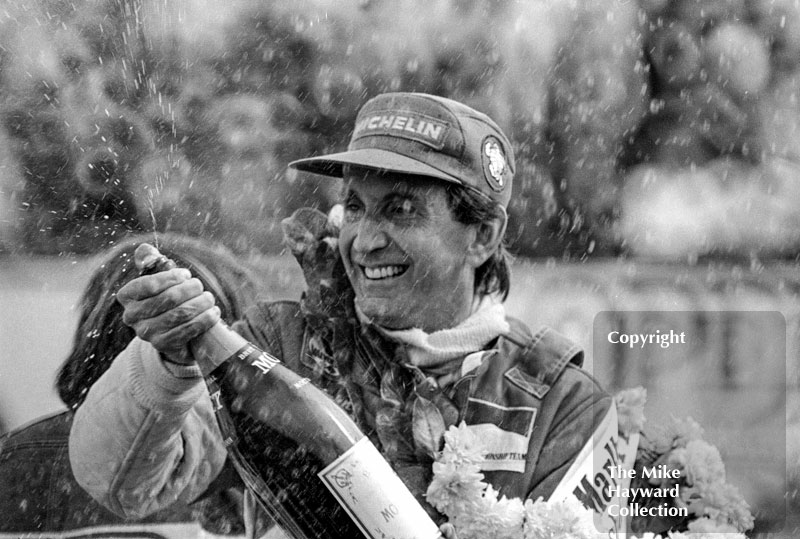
(146, 435)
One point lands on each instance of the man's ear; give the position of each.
(488, 236)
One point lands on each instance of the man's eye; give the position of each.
(351, 209)
(404, 208)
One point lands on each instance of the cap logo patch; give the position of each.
(406, 124)
(494, 163)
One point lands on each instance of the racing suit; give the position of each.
(146, 435)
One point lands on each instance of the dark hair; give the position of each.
(101, 334)
(471, 208)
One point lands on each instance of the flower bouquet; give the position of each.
(711, 505)
(695, 468)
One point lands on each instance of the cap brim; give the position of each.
(370, 158)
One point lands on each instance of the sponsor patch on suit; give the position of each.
(504, 431)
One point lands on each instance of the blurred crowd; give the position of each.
(666, 128)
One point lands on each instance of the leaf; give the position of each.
(430, 391)
(427, 426)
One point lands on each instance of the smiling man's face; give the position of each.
(405, 254)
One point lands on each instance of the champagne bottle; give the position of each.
(310, 466)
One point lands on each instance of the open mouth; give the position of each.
(383, 272)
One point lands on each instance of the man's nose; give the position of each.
(370, 236)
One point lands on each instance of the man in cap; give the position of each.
(426, 185)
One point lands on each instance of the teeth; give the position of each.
(383, 272)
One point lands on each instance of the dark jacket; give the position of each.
(529, 384)
(38, 493)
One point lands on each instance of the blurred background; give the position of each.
(657, 143)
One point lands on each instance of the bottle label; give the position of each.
(375, 497)
(257, 358)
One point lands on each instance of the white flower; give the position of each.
(630, 409)
(559, 519)
(462, 446)
(722, 504)
(455, 488)
(701, 462)
(674, 433)
(498, 519)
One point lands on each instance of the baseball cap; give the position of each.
(426, 135)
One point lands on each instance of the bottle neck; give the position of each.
(215, 346)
